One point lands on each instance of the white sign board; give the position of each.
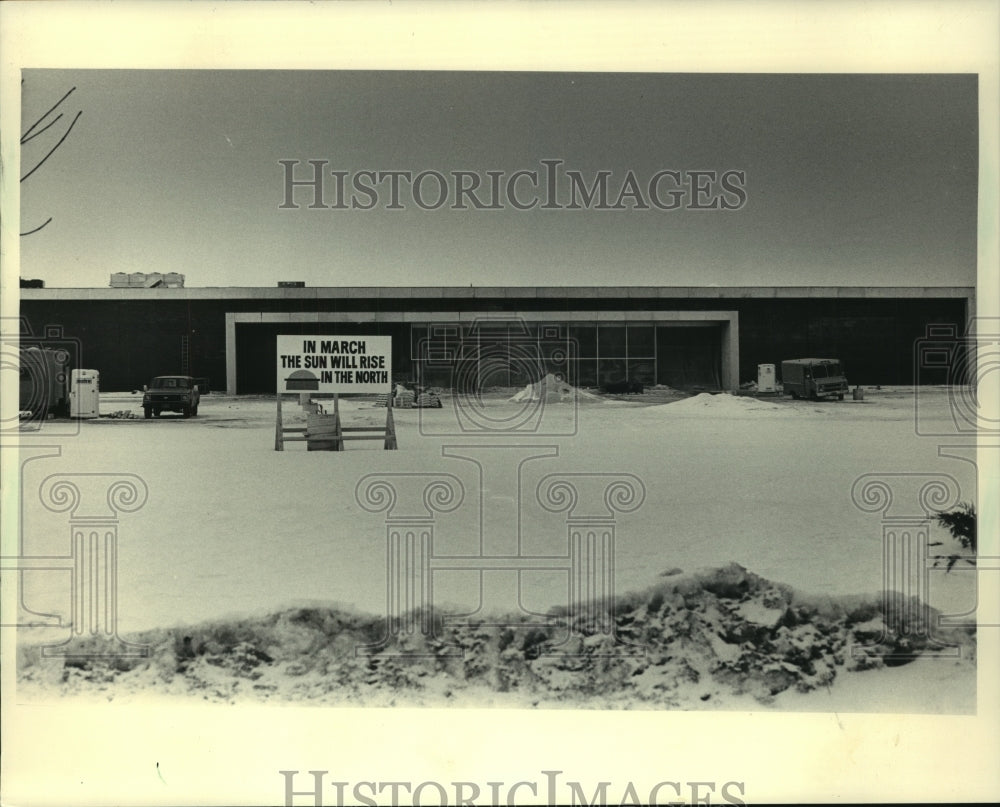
(343, 364)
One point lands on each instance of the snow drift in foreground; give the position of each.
(703, 640)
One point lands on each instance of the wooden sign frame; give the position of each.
(326, 432)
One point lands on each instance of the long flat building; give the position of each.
(684, 337)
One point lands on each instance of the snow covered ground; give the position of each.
(232, 527)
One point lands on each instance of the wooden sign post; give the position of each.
(337, 365)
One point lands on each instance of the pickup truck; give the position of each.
(171, 393)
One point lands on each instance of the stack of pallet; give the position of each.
(404, 398)
(425, 400)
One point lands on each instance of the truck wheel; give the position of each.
(194, 411)
(795, 396)
(147, 411)
(840, 397)
(156, 412)
(187, 411)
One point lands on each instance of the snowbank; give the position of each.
(725, 401)
(693, 641)
(727, 405)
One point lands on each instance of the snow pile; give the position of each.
(725, 404)
(551, 389)
(699, 640)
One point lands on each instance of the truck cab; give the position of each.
(171, 393)
(814, 378)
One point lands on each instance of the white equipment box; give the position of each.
(765, 378)
(84, 394)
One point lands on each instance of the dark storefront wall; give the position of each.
(688, 357)
(129, 341)
(875, 339)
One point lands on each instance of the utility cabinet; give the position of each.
(85, 394)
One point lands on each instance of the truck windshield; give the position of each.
(169, 383)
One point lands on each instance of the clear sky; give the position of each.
(849, 179)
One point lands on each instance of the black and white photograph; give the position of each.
(453, 424)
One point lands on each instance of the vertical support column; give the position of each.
(230, 353)
(390, 426)
(731, 353)
(279, 443)
(338, 429)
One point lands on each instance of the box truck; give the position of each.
(813, 378)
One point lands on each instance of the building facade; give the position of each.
(688, 338)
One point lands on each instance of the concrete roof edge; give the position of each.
(491, 292)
